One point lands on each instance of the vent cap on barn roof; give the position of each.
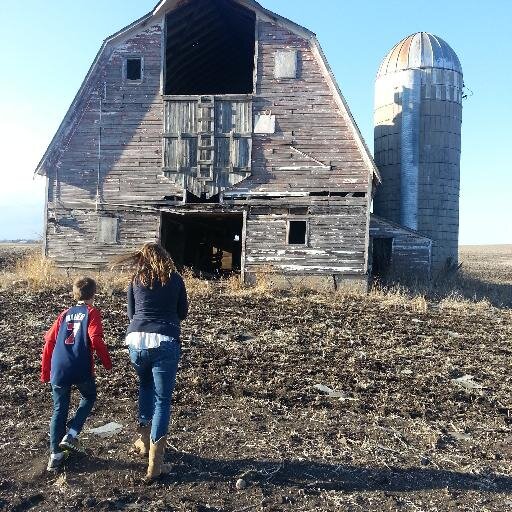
(420, 50)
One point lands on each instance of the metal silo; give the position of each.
(418, 115)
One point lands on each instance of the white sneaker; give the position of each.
(55, 461)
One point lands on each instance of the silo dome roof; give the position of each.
(420, 50)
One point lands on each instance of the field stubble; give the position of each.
(420, 418)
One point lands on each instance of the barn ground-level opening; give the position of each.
(208, 243)
(210, 46)
(382, 250)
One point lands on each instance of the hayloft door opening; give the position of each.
(210, 46)
(208, 243)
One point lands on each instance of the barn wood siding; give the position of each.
(326, 158)
(307, 118)
(133, 124)
(130, 158)
(73, 235)
(335, 245)
(128, 164)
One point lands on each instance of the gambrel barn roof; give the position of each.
(72, 117)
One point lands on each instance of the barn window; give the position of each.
(133, 69)
(297, 232)
(210, 49)
(285, 64)
(108, 230)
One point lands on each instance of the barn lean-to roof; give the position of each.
(376, 219)
(66, 126)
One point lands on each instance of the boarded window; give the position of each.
(209, 141)
(264, 123)
(297, 232)
(285, 64)
(108, 230)
(133, 69)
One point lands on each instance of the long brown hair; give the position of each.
(152, 264)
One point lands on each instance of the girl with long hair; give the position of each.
(157, 303)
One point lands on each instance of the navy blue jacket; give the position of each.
(71, 358)
(159, 309)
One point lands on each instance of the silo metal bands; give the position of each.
(418, 115)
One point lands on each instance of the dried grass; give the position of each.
(35, 272)
(263, 281)
(397, 296)
(111, 282)
(233, 285)
(38, 273)
(195, 285)
(483, 282)
(456, 301)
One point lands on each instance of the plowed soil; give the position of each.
(400, 434)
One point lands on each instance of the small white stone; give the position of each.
(241, 484)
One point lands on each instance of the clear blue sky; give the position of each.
(47, 48)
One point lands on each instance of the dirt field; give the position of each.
(491, 263)
(403, 434)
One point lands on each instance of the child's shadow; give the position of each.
(76, 465)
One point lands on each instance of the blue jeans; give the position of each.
(61, 397)
(156, 368)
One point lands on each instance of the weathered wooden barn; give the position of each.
(217, 127)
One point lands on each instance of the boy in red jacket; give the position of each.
(68, 361)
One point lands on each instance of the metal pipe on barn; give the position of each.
(98, 199)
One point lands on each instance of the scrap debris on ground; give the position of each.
(283, 402)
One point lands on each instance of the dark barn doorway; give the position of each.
(382, 249)
(208, 243)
